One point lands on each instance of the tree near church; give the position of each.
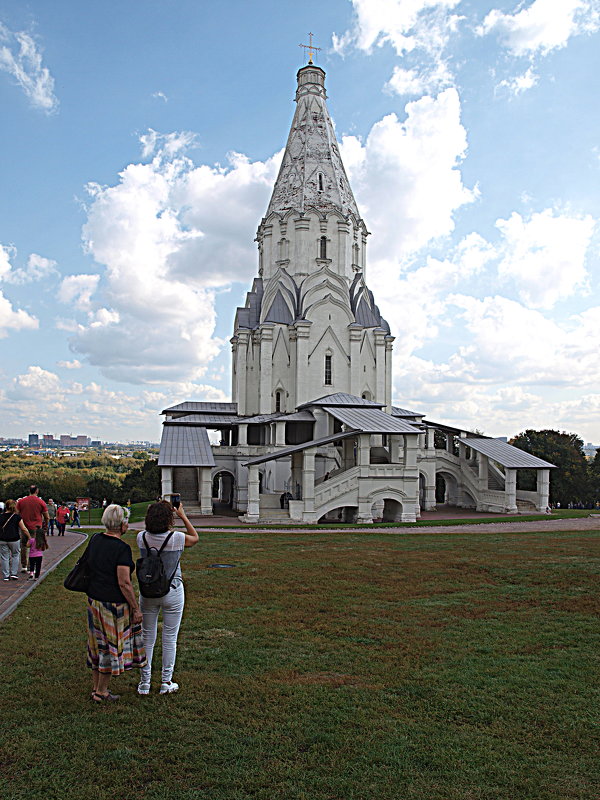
(570, 483)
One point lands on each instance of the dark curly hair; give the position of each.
(159, 517)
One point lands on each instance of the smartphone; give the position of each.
(175, 500)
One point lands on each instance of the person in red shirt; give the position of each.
(62, 517)
(34, 514)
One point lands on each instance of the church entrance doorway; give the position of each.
(446, 489)
(223, 484)
(185, 483)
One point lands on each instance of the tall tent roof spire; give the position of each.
(311, 172)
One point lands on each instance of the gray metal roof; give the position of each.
(404, 412)
(342, 399)
(183, 446)
(371, 420)
(208, 420)
(286, 451)
(202, 408)
(505, 454)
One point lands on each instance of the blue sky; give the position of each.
(140, 143)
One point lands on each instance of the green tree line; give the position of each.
(576, 479)
(95, 476)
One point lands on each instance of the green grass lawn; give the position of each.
(138, 512)
(328, 667)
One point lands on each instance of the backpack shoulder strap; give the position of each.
(164, 544)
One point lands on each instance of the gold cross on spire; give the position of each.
(310, 47)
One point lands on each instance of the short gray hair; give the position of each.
(113, 517)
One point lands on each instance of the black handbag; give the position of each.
(78, 578)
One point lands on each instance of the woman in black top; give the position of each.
(10, 540)
(114, 618)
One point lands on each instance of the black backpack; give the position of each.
(150, 571)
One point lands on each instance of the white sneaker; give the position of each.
(168, 688)
(24, 569)
(143, 688)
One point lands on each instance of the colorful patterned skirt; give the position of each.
(114, 643)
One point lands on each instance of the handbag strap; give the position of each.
(8, 520)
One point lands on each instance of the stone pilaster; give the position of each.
(166, 481)
(266, 368)
(302, 343)
(380, 371)
(241, 373)
(355, 377)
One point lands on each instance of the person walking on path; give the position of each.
(114, 634)
(62, 517)
(34, 514)
(75, 518)
(159, 524)
(12, 528)
(37, 544)
(51, 516)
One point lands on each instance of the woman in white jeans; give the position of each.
(159, 523)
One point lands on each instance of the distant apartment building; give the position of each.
(74, 441)
(34, 440)
(48, 440)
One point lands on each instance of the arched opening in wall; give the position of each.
(366, 396)
(323, 247)
(277, 401)
(320, 181)
(223, 485)
(344, 514)
(446, 489)
(386, 510)
(422, 490)
(257, 434)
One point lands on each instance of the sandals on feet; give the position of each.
(105, 698)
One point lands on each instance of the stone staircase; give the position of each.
(271, 512)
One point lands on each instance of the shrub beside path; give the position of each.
(59, 547)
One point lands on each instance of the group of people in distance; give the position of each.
(122, 629)
(23, 526)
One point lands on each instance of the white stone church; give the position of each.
(312, 432)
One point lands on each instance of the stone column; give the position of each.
(409, 510)
(510, 491)
(348, 453)
(308, 483)
(430, 504)
(411, 447)
(483, 472)
(280, 434)
(363, 456)
(389, 348)
(241, 370)
(253, 511)
(166, 480)
(355, 337)
(395, 448)
(234, 365)
(266, 367)
(379, 366)
(543, 488)
(205, 491)
(431, 439)
(243, 434)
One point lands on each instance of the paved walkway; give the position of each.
(59, 547)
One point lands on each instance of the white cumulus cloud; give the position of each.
(169, 234)
(21, 58)
(406, 176)
(544, 256)
(543, 25)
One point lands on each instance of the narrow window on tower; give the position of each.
(277, 401)
(323, 247)
(328, 370)
(320, 181)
